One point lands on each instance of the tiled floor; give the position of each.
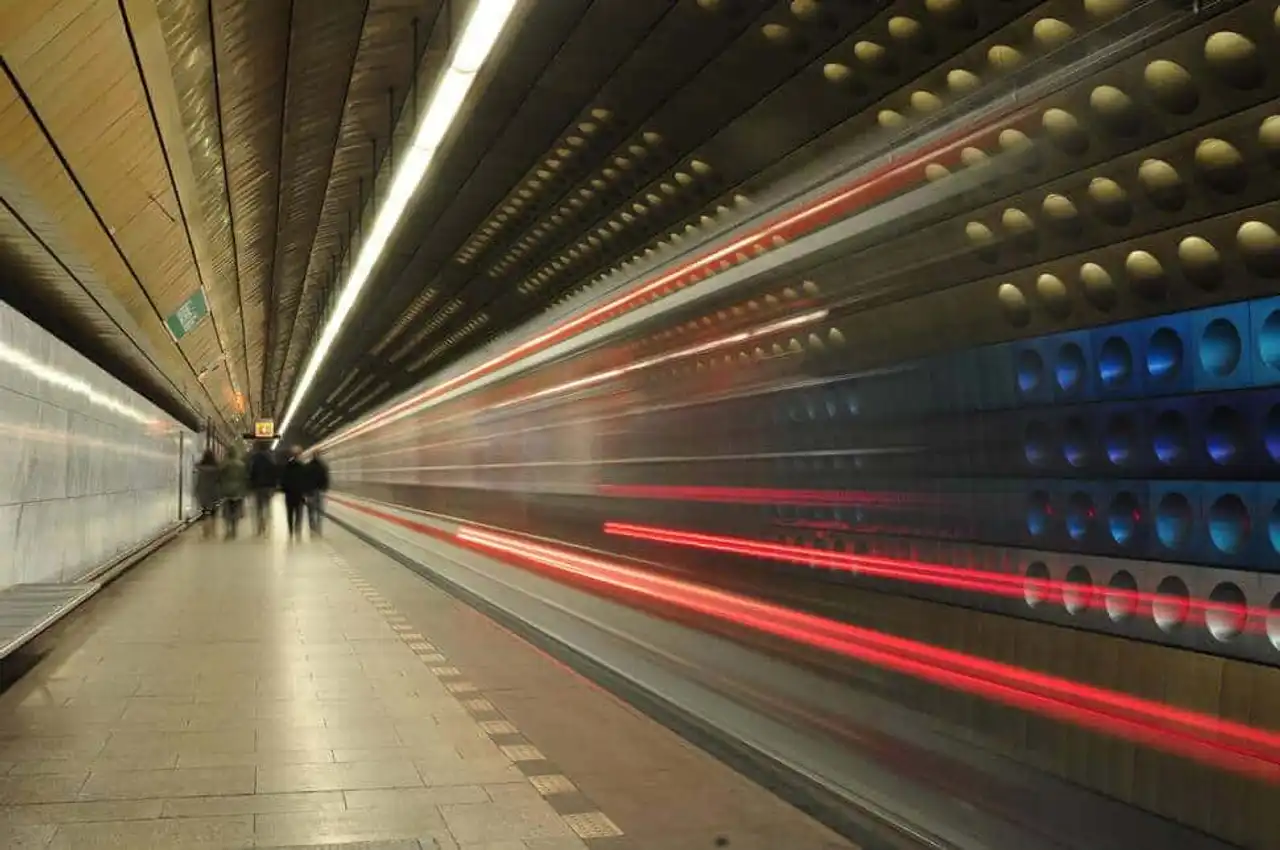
(247, 693)
(594, 751)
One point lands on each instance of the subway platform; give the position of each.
(262, 693)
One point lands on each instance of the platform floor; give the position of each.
(261, 693)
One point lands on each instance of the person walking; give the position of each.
(263, 479)
(294, 483)
(317, 486)
(234, 481)
(207, 489)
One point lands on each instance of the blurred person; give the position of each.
(207, 489)
(294, 482)
(317, 486)
(263, 477)
(233, 479)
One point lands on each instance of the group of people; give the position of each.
(303, 480)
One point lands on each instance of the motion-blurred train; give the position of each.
(1008, 383)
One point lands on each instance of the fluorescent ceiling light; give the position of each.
(483, 28)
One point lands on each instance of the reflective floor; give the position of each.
(265, 693)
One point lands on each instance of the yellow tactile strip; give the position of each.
(564, 797)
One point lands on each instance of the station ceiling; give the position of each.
(185, 181)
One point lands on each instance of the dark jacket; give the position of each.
(233, 478)
(317, 476)
(294, 480)
(262, 471)
(207, 485)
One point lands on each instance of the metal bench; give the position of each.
(26, 610)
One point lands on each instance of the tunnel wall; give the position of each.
(88, 468)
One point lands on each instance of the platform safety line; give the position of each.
(588, 824)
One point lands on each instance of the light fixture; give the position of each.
(485, 25)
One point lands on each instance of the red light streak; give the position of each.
(1207, 739)
(981, 581)
(1210, 740)
(863, 191)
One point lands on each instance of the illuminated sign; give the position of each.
(264, 429)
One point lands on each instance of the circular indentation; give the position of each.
(1200, 262)
(1269, 340)
(889, 119)
(1234, 58)
(1221, 166)
(1060, 209)
(1105, 8)
(1228, 524)
(1115, 362)
(1260, 247)
(1224, 435)
(1075, 442)
(1171, 438)
(1120, 439)
(1171, 604)
(1123, 516)
(1173, 520)
(1146, 274)
(904, 29)
(1273, 622)
(1053, 295)
(1110, 201)
(979, 234)
(961, 81)
(1269, 135)
(836, 72)
(1035, 587)
(1037, 442)
(1163, 184)
(925, 102)
(1014, 304)
(972, 157)
(1030, 370)
(1220, 348)
(1114, 109)
(1273, 527)
(1271, 433)
(1017, 222)
(808, 11)
(1012, 141)
(1164, 354)
(1069, 367)
(1121, 596)
(871, 54)
(1099, 288)
(1077, 590)
(1171, 86)
(1051, 32)
(1003, 57)
(1065, 131)
(1039, 512)
(777, 33)
(1080, 515)
(1225, 614)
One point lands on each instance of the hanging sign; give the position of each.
(188, 316)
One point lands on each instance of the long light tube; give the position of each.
(488, 20)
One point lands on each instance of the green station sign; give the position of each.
(189, 315)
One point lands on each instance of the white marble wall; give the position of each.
(88, 468)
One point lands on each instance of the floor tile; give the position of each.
(202, 833)
(337, 777)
